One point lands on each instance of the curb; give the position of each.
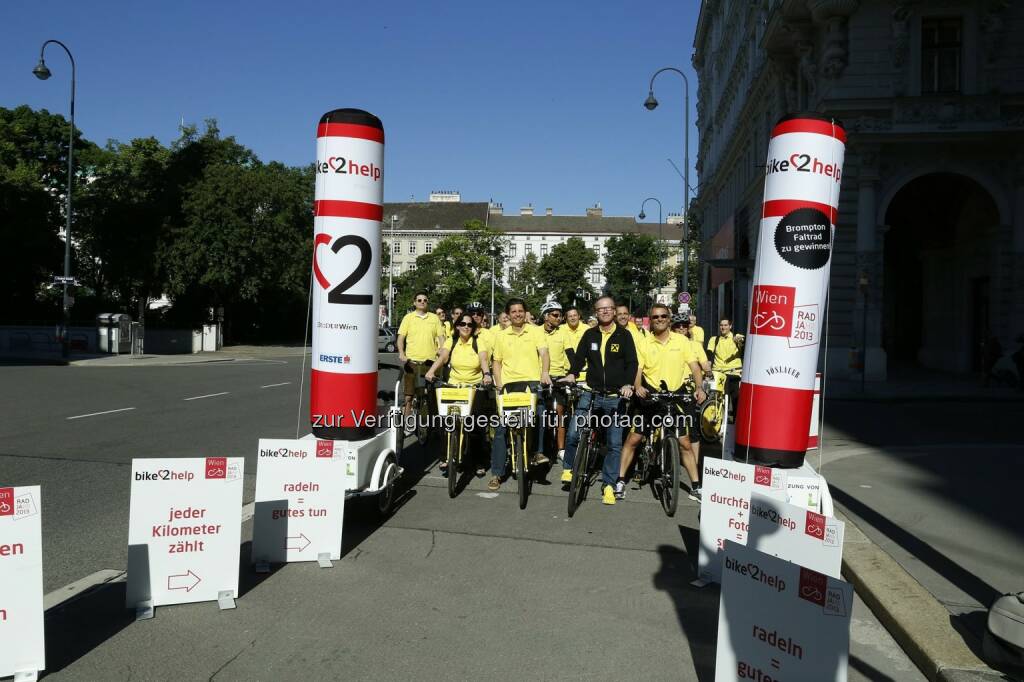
(914, 618)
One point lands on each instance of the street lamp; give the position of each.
(651, 104)
(643, 215)
(391, 271)
(42, 73)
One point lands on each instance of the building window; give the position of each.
(412, 248)
(941, 41)
(397, 247)
(429, 248)
(412, 267)
(595, 275)
(543, 250)
(596, 248)
(511, 274)
(396, 269)
(512, 250)
(529, 249)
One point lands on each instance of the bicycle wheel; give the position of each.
(670, 474)
(454, 450)
(519, 465)
(422, 419)
(580, 467)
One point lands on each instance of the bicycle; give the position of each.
(420, 403)
(660, 453)
(455, 403)
(584, 466)
(714, 410)
(516, 409)
(555, 393)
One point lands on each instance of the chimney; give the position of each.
(495, 208)
(526, 210)
(596, 211)
(548, 212)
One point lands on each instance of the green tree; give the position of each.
(634, 266)
(457, 271)
(564, 270)
(526, 283)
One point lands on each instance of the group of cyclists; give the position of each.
(620, 363)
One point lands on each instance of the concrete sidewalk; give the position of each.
(226, 354)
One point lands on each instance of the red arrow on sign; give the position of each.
(185, 581)
(299, 539)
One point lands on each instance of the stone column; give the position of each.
(867, 322)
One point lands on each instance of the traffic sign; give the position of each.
(684, 296)
(184, 531)
(300, 501)
(21, 583)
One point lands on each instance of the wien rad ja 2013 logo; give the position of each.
(216, 467)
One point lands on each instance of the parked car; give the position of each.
(387, 340)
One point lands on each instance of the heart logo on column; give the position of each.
(322, 238)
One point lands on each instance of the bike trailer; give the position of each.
(1004, 638)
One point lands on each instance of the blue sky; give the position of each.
(522, 102)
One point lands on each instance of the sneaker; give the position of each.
(561, 455)
(620, 489)
(566, 475)
(494, 483)
(608, 495)
(695, 493)
(539, 459)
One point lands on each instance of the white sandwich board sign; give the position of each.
(184, 531)
(796, 534)
(22, 650)
(300, 501)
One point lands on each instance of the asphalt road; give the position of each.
(445, 589)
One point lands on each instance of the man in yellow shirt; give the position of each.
(727, 351)
(696, 331)
(573, 331)
(664, 357)
(624, 319)
(519, 362)
(443, 316)
(419, 336)
(558, 341)
(681, 325)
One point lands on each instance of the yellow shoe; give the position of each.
(567, 476)
(608, 496)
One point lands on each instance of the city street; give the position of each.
(443, 589)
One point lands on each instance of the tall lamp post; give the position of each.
(651, 104)
(42, 73)
(644, 215)
(391, 271)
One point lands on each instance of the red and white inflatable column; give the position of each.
(346, 273)
(790, 287)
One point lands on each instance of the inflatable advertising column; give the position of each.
(346, 272)
(790, 287)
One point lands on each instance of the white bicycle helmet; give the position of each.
(549, 306)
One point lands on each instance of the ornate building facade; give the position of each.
(928, 261)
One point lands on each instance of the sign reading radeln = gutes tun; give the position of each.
(300, 501)
(21, 582)
(184, 530)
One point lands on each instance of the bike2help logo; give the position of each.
(343, 166)
(805, 163)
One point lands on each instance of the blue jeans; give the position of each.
(611, 407)
(498, 448)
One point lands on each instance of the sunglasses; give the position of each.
(463, 324)
(659, 317)
(605, 309)
(421, 300)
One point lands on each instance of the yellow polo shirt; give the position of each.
(518, 352)
(727, 354)
(557, 342)
(572, 340)
(485, 339)
(464, 363)
(421, 335)
(697, 333)
(698, 351)
(449, 330)
(666, 360)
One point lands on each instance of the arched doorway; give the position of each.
(938, 268)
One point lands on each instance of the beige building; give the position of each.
(929, 248)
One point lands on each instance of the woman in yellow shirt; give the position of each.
(467, 364)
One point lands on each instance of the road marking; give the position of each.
(208, 395)
(487, 496)
(94, 414)
(283, 383)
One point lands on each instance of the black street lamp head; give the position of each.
(650, 102)
(642, 215)
(41, 72)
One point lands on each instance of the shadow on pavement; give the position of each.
(869, 671)
(80, 625)
(977, 588)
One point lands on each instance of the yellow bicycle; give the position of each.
(455, 405)
(516, 410)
